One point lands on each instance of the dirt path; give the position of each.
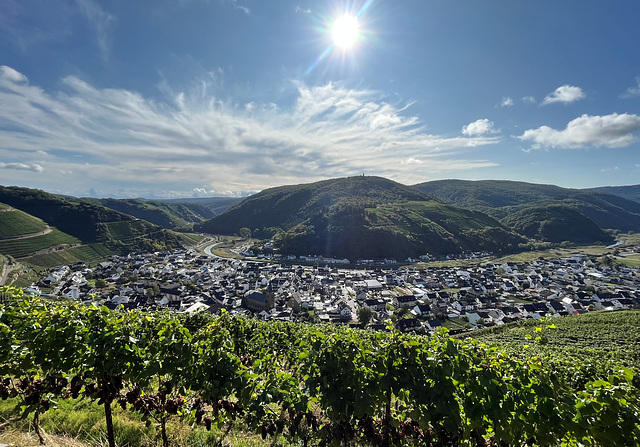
(27, 236)
(6, 269)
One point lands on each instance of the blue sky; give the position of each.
(181, 98)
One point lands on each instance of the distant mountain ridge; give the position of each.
(357, 217)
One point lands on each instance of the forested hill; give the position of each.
(500, 198)
(90, 222)
(361, 217)
(631, 192)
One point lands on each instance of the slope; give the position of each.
(89, 222)
(167, 215)
(556, 223)
(499, 198)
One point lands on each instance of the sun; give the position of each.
(345, 31)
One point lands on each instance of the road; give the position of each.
(207, 250)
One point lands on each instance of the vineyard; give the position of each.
(311, 385)
(601, 335)
(16, 223)
(23, 247)
(68, 256)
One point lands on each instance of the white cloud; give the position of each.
(478, 127)
(12, 75)
(615, 130)
(115, 137)
(101, 21)
(529, 99)
(303, 10)
(506, 102)
(411, 161)
(565, 94)
(22, 167)
(614, 169)
(632, 92)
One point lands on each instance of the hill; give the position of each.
(628, 192)
(500, 198)
(556, 223)
(361, 217)
(205, 205)
(86, 223)
(164, 214)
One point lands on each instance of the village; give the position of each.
(414, 300)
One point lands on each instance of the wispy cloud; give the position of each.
(507, 102)
(565, 94)
(300, 9)
(115, 135)
(615, 130)
(22, 167)
(529, 99)
(244, 9)
(479, 127)
(613, 169)
(632, 92)
(101, 22)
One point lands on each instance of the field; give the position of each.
(19, 248)
(17, 223)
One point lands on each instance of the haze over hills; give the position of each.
(500, 198)
(361, 217)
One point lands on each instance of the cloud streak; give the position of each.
(115, 135)
(22, 167)
(101, 22)
(615, 130)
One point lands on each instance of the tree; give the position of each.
(245, 233)
(101, 283)
(364, 315)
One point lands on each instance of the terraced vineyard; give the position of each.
(17, 223)
(19, 248)
(83, 253)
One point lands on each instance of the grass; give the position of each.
(80, 423)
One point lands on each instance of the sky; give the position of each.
(197, 98)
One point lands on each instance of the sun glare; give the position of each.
(345, 31)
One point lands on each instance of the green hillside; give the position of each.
(14, 223)
(556, 223)
(84, 223)
(206, 207)
(500, 198)
(164, 214)
(359, 217)
(25, 246)
(631, 192)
